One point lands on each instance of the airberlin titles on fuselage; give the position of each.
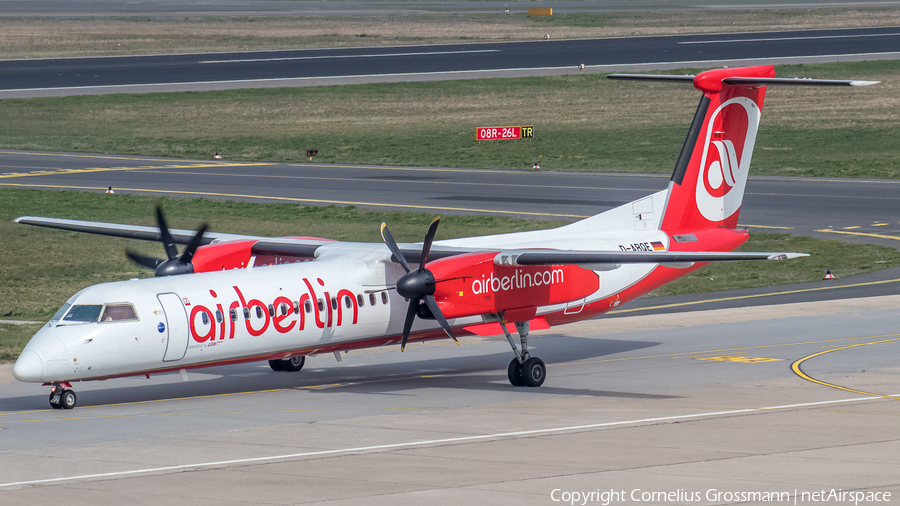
(211, 324)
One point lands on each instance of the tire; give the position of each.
(276, 365)
(68, 399)
(514, 373)
(534, 372)
(294, 364)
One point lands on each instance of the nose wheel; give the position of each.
(61, 397)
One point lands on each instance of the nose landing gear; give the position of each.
(62, 396)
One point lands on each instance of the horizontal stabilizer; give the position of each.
(747, 81)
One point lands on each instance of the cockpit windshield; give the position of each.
(91, 313)
(59, 314)
(83, 314)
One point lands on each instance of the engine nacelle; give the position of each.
(475, 285)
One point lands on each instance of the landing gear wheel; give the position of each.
(294, 364)
(55, 400)
(534, 372)
(276, 365)
(68, 399)
(514, 372)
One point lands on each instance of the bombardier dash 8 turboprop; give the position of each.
(234, 298)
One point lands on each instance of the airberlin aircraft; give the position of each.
(233, 298)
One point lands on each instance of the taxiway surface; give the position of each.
(698, 402)
(855, 210)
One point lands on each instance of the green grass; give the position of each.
(843, 259)
(583, 122)
(44, 267)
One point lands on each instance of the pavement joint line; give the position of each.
(795, 367)
(758, 295)
(433, 442)
(314, 201)
(60, 171)
(446, 183)
(765, 226)
(864, 234)
(696, 354)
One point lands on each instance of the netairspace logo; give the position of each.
(679, 496)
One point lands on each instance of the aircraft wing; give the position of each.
(263, 245)
(599, 260)
(307, 247)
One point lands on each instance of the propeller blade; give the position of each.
(436, 312)
(426, 246)
(193, 245)
(145, 261)
(392, 245)
(165, 236)
(410, 317)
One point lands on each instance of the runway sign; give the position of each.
(509, 132)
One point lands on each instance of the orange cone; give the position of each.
(217, 156)
(110, 190)
(828, 275)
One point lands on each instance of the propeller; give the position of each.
(417, 285)
(175, 263)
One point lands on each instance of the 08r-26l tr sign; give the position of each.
(509, 132)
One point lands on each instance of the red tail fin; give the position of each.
(707, 186)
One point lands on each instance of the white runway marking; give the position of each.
(775, 39)
(287, 58)
(455, 440)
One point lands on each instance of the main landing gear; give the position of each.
(292, 364)
(62, 396)
(524, 370)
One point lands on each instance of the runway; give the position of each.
(854, 210)
(306, 67)
(671, 403)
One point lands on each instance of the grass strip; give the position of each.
(42, 268)
(583, 122)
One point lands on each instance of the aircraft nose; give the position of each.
(28, 367)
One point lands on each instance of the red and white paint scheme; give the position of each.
(233, 298)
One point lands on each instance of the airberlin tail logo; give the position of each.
(730, 136)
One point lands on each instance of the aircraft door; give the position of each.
(176, 326)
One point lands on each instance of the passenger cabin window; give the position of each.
(218, 316)
(296, 307)
(83, 314)
(384, 298)
(233, 313)
(359, 300)
(307, 306)
(371, 299)
(321, 305)
(259, 312)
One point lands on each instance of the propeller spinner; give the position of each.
(417, 285)
(175, 263)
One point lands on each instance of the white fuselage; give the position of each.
(277, 311)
